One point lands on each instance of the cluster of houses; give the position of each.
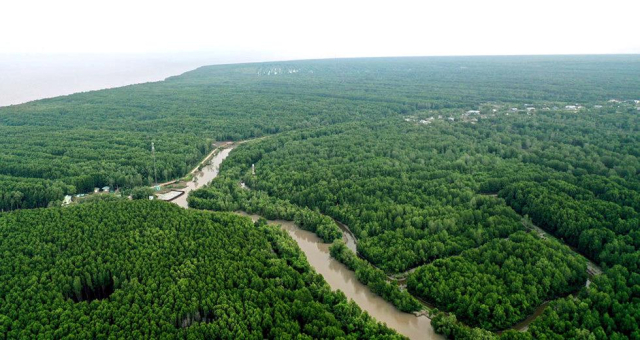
(573, 107)
(68, 198)
(278, 70)
(634, 101)
(428, 120)
(104, 189)
(472, 116)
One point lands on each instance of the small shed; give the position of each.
(105, 189)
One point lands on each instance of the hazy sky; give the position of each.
(324, 28)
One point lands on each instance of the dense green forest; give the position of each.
(146, 269)
(439, 166)
(501, 282)
(228, 196)
(449, 196)
(72, 144)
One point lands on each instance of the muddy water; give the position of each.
(204, 177)
(335, 273)
(348, 237)
(340, 277)
(523, 325)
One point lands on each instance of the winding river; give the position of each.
(340, 277)
(335, 273)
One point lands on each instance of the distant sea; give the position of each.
(27, 77)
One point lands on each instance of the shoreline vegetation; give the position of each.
(461, 179)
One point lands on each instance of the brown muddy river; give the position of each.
(204, 177)
(340, 277)
(335, 273)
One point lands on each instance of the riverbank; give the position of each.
(335, 273)
(341, 278)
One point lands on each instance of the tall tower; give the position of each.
(153, 152)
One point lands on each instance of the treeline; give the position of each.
(606, 309)
(416, 193)
(375, 278)
(603, 230)
(352, 146)
(31, 193)
(100, 138)
(36, 167)
(149, 269)
(224, 194)
(379, 180)
(502, 282)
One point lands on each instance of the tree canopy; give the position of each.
(134, 269)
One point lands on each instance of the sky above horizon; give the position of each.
(270, 30)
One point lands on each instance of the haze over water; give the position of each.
(27, 77)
